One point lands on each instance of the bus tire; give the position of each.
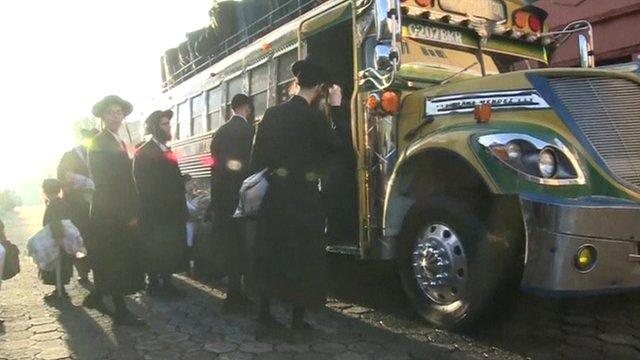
(450, 265)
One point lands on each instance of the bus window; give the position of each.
(259, 85)
(284, 77)
(184, 120)
(234, 86)
(197, 104)
(174, 123)
(214, 101)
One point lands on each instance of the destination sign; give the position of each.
(432, 33)
(487, 9)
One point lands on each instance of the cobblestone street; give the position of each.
(367, 317)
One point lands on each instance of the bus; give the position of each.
(479, 168)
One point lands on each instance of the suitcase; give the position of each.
(171, 63)
(224, 19)
(254, 16)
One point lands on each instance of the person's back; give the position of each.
(57, 210)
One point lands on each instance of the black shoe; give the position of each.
(93, 301)
(128, 319)
(54, 296)
(235, 306)
(302, 327)
(171, 290)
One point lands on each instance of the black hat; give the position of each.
(309, 73)
(154, 119)
(99, 108)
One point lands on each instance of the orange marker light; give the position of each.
(482, 113)
(424, 2)
(265, 47)
(520, 19)
(390, 102)
(373, 101)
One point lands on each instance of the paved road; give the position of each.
(366, 318)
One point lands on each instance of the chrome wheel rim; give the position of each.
(440, 264)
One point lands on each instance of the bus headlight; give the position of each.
(549, 163)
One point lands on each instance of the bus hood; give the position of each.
(529, 80)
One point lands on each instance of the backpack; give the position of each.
(11, 260)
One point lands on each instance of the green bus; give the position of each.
(479, 168)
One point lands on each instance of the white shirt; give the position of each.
(162, 146)
(240, 116)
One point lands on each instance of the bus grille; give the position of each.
(607, 111)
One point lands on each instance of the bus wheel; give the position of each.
(448, 266)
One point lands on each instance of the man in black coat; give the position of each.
(163, 208)
(231, 150)
(77, 188)
(112, 247)
(293, 141)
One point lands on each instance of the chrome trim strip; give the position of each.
(499, 100)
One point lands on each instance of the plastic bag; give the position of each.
(45, 250)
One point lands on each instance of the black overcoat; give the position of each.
(56, 211)
(231, 150)
(293, 139)
(76, 161)
(163, 211)
(113, 246)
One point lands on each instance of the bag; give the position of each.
(11, 260)
(45, 250)
(252, 193)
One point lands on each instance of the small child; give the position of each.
(57, 210)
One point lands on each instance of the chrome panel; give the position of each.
(466, 103)
(557, 228)
(607, 111)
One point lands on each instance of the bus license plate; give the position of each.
(426, 32)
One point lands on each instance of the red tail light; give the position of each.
(424, 3)
(535, 24)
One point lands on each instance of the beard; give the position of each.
(161, 136)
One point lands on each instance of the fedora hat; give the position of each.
(153, 119)
(99, 108)
(309, 73)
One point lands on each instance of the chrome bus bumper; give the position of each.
(557, 228)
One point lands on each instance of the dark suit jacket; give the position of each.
(79, 207)
(115, 197)
(159, 183)
(113, 245)
(294, 139)
(231, 151)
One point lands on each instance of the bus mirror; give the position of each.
(383, 57)
(387, 14)
(585, 51)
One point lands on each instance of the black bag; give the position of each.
(11, 260)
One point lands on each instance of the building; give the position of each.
(616, 25)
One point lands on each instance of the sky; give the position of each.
(60, 57)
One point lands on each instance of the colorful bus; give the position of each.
(479, 168)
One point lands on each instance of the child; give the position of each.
(57, 210)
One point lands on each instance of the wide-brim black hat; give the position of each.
(99, 108)
(154, 118)
(309, 73)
